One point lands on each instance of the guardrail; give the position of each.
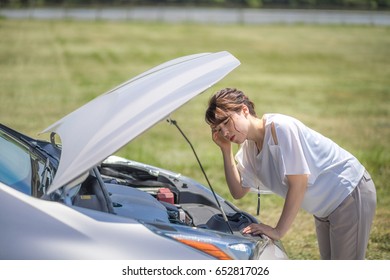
(204, 15)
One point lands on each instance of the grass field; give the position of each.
(334, 78)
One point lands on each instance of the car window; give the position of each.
(19, 168)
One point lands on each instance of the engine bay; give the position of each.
(133, 186)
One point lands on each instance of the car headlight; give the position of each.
(219, 245)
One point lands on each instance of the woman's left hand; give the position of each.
(256, 229)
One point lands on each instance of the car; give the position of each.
(75, 199)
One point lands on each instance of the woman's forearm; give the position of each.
(233, 178)
(296, 192)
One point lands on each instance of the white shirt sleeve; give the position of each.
(289, 138)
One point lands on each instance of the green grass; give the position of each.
(334, 78)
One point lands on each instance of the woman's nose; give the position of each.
(225, 132)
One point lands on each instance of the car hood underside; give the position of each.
(104, 125)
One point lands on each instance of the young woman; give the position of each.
(280, 154)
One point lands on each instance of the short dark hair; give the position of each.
(225, 101)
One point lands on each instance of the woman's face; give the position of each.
(234, 128)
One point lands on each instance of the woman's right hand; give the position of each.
(221, 141)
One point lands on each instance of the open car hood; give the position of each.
(107, 123)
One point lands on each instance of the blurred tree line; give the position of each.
(303, 4)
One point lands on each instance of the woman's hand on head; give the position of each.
(221, 141)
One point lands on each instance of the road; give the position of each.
(206, 15)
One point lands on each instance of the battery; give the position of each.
(165, 194)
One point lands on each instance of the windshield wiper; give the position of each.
(44, 176)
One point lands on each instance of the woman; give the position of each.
(280, 154)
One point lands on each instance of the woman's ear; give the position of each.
(245, 110)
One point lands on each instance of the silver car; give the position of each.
(75, 200)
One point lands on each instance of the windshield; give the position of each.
(22, 169)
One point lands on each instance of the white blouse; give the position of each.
(333, 172)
